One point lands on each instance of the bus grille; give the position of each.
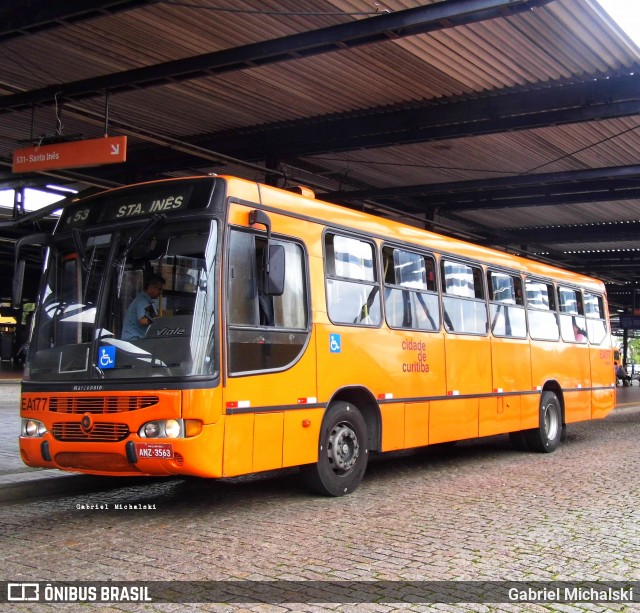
(100, 404)
(100, 433)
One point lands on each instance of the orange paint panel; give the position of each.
(416, 424)
(603, 402)
(301, 436)
(75, 154)
(602, 368)
(499, 415)
(392, 426)
(468, 364)
(267, 441)
(204, 455)
(529, 411)
(577, 406)
(390, 363)
(202, 404)
(511, 364)
(566, 364)
(238, 445)
(453, 420)
(547, 362)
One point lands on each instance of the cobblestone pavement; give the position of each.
(478, 511)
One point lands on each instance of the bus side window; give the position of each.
(465, 310)
(353, 295)
(572, 320)
(596, 318)
(410, 294)
(541, 310)
(506, 305)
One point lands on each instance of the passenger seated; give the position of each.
(621, 373)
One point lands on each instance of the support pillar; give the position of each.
(18, 203)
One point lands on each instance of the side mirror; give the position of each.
(273, 266)
(19, 265)
(273, 271)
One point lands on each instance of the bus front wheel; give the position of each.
(342, 454)
(546, 437)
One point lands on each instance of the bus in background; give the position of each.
(292, 332)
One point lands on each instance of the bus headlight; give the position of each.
(150, 430)
(170, 428)
(32, 428)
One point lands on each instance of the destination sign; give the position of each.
(167, 201)
(130, 203)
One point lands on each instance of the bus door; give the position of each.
(577, 383)
(601, 354)
(270, 388)
(510, 354)
(547, 357)
(468, 353)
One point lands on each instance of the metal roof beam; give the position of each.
(567, 187)
(558, 103)
(409, 22)
(31, 16)
(602, 232)
(536, 196)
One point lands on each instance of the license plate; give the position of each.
(158, 451)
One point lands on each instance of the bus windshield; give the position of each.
(92, 278)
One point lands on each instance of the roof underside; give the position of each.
(511, 123)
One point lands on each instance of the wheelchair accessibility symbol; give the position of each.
(335, 345)
(107, 357)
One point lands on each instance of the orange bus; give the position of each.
(287, 331)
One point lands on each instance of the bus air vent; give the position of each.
(100, 404)
(100, 433)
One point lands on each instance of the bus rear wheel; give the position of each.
(342, 454)
(546, 437)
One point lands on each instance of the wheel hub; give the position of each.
(343, 449)
(551, 421)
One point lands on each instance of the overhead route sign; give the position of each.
(75, 154)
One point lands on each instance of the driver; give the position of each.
(142, 310)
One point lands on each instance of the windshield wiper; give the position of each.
(82, 254)
(120, 263)
(154, 221)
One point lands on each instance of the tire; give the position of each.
(546, 437)
(342, 452)
(519, 441)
